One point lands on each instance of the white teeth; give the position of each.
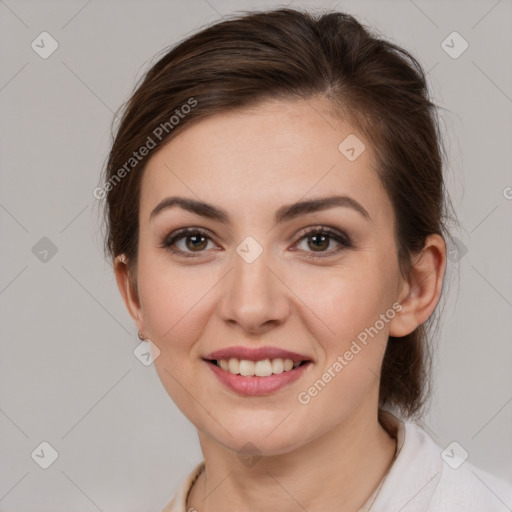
(234, 366)
(246, 367)
(277, 366)
(262, 368)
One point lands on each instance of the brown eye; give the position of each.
(193, 242)
(318, 242)
(196, 242)
(187, 242)
(320, 239)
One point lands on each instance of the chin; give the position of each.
(258, 433)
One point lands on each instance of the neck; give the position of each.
(338, 470)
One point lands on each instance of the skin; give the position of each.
(331, 453)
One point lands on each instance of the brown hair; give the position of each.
(288, 54)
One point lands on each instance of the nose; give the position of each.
(254, 298)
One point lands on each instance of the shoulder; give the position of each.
(459, 486)
(426, 478)
(470, 489)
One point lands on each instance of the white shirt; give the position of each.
(419, 480)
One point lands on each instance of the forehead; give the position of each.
(277, 151)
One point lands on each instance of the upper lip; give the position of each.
(255, 354)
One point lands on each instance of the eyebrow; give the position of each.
(283, 214)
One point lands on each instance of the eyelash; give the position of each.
(342, 239)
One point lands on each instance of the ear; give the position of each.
(129, 294)
(420, 293)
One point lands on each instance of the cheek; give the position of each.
(175, 303)
(176, 306)
(342, 301)
(342, 310)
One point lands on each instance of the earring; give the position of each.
(141, 336)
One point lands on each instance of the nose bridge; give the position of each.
(255, 297)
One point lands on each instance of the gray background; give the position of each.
(68, 374)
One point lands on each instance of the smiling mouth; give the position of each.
(262, 368)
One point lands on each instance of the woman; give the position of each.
(276, 216)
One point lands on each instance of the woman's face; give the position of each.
(253, 277)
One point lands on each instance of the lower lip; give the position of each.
(257, 386)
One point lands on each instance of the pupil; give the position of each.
(323, 239)
(197, 238)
